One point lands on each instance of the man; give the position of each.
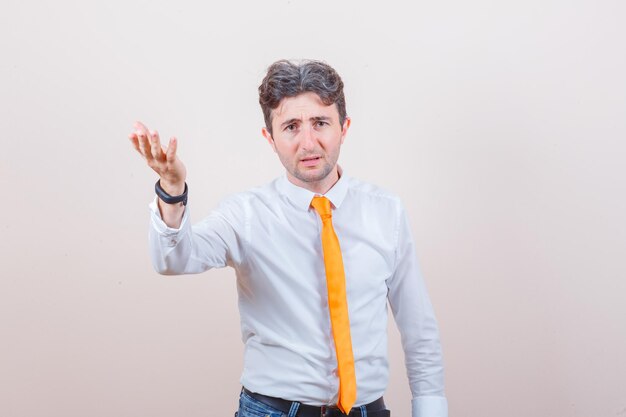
(317, 255)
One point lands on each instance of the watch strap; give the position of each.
(168, 198)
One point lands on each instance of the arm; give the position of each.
(175, 246)
(215, 242)
(418, 328)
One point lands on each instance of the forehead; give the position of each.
(303, 105)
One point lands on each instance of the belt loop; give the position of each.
(363, 411)
(293, 409)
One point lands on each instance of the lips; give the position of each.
(310, 160)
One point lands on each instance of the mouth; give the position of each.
(310, 161)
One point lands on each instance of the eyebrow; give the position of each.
(313, 119)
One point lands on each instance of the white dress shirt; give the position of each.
(271, 237)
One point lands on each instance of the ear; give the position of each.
(344, 129)
(268, 137)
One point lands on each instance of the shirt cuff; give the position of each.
(429, 406)
(158, 223)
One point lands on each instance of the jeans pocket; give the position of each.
(251, 407)
(253, 412)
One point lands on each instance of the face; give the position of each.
(307, 137)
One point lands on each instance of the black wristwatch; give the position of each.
(168, 198)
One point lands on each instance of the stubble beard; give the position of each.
(309, 177)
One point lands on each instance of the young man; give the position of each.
(317, 256)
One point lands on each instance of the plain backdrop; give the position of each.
(500, 124)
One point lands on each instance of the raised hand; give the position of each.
(162, 160)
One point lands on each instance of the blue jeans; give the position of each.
(251, 407)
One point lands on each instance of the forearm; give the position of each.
(170, 247)
(172, 214)
(423, 354)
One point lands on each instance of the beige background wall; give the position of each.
(501, 124)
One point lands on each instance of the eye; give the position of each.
(291, 127)
(321, 123)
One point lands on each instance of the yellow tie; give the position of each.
(338, 305)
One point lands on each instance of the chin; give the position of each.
(318, 175)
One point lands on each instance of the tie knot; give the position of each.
(322, 206)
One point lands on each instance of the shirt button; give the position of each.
(173, 242)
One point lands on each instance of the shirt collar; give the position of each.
(301, 197)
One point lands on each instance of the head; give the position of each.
(287, 79)
(305, 120)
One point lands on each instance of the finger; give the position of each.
(147, 145)
(141, 130)
(171, 150)
(141, 127)
(135, 142)
(144, 145)
(155, 146)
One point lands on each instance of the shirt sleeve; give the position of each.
(215, 242)
(415, 318)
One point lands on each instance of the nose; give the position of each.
(307, 140)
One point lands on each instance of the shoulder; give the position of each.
(254, 195)
(372, 193)
(236, 208)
